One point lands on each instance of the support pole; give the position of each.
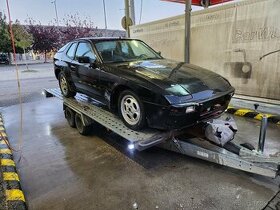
(262, 134)
(187, 30)
(56, 15)
(132, 11)
(127, 17)
(105, 17)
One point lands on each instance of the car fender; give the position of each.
(145, 94)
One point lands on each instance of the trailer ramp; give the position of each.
(93, 109)
(245, 159)
(189, 142)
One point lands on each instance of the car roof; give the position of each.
(98, 39)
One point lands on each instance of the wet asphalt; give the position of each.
(60, 169)
(31, 82)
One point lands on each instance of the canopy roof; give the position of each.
(198, 2)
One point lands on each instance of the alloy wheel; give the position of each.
(63, 85)
(130, 109)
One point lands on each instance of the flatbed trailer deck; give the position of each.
(184, 142)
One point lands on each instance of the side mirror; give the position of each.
(84, 59)
(93, 64)
(87, 60)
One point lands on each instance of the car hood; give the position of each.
(178, 78)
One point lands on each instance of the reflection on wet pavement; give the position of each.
(60, 169)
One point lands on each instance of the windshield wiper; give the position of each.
(152, 58)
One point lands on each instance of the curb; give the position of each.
(11, 183)
(23, 64)
(253, 114)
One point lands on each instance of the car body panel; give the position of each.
(164, 86)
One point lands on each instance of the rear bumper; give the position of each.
(172, 117)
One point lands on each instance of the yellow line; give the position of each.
(7, 162)
(10, 176)
(2, 142)
(260, 116)
(3, 134)
(14, 195)
(242, 112)
(5, 151)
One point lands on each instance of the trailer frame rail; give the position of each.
(180, 141)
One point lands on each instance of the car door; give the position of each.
(109, 77)
(86, 73)
(71, 64)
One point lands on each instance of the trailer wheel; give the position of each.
(83, 130)
(70, 117)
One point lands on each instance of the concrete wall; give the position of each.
(230, 40)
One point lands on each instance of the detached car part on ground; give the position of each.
(132, 79)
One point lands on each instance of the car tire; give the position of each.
(131, 110)
(65, 86)
(82, 129)
(70, 117)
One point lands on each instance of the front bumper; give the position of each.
(174, 117)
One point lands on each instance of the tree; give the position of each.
(45, 38)
(23, 39)
(51, 37)
(77, 28)
(5, 43)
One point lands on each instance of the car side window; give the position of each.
(63, 48)
(85, 50)
(71, 51)
(124, 48)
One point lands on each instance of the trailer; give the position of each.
(82, 112)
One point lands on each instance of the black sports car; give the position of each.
(143, 87)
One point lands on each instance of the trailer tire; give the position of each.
(82, 129)
(70, 117)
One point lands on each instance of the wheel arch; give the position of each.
(143, 93)
(60, 66)
(115, 96)
(56, 72)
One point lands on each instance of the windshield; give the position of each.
(125, 51)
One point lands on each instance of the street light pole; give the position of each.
(105, 17)
(127, 18)
(132, 11)
(187, 30)
(54, 2)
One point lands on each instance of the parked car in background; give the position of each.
(138, 83)
(4, 59)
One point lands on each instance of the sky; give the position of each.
(43, 10)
